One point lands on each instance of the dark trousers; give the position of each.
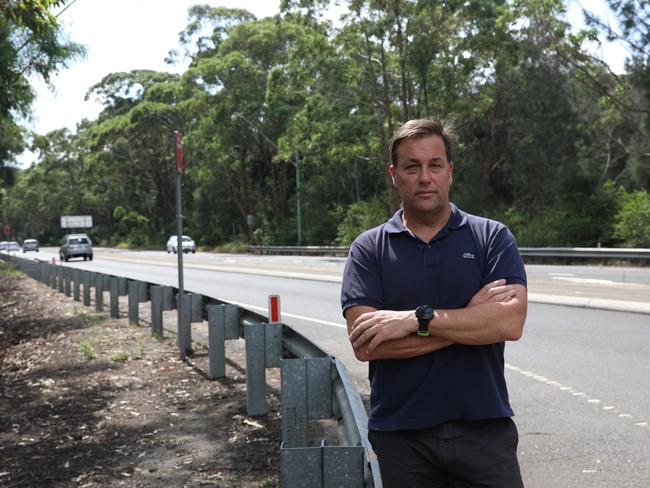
(455, 454)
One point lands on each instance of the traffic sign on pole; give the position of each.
(7, 229)
(179, 152)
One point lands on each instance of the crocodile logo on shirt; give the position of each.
(468, 255)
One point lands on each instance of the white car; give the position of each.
(188, 245)
(13, 246)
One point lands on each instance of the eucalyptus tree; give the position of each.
(130, 151)
(251, 87)
(31, 44)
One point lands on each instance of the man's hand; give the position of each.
(496, 291)
(373, 328)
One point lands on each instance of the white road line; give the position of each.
(574, 392)
(292, 315)
(591, 281)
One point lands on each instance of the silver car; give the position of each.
(30, 245)
(188, 245)
(76, 245)
(13, 246)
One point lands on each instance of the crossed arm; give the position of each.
(496, 313)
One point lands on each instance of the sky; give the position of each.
(123, 35)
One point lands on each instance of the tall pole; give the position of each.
(298, 208)
(179, 237)
(296, 163)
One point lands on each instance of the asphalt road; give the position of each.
(579, 379)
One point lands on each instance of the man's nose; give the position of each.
(424, 177)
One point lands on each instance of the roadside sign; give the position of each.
(179, 152)
(7, 229)
(76, 221)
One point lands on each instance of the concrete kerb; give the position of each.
(595, 303)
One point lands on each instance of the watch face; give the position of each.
(424, 312)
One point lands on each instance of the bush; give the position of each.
(580, 220)
(633, 220)
(361, 216)
(233, 247)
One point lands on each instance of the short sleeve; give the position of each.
(361, 284)
(503, 258)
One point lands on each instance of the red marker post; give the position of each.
(274, 309)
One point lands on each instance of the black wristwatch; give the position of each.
(424, 314)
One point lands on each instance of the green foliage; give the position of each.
(633, 220)
(86, 348)
(31, 44)
(120, 357)
(233, 247)
(9, 270)
(361, 216)
(544, 130)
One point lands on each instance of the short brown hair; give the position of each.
(422, 128)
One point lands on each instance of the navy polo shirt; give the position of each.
(390, 268)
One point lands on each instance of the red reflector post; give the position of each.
(274, 308)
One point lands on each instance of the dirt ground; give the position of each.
(87, 401)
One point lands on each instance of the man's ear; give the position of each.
(392, 170)
(451, 173)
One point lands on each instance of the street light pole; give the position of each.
(296, 164)
(298, 208)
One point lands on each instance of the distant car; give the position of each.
(30, 245)
(188, 245)
(76, 245)
(3, 245)
(13, 246)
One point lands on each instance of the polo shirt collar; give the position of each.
(457, 219)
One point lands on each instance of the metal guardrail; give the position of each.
(545, 252)
(586, 252)
(301, 250)
(315, 385)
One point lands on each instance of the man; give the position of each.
(429, 298)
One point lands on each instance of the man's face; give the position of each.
(422, 175)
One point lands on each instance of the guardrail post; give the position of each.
(343, 466)
(196, 308)
(319, 388)
(273, 344)
(184, 334)
(134, 295)
(306, 394)
(324, 466)
(156, 311)
(52, 268)
(255, 370)
(223, 323)
(87, 279)
(294, 402)
(301, 467)
(122, 289)
(67, 280)
(99, 292)
(217, 341)
(59, 278)
(115, 297)
(76, 273)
